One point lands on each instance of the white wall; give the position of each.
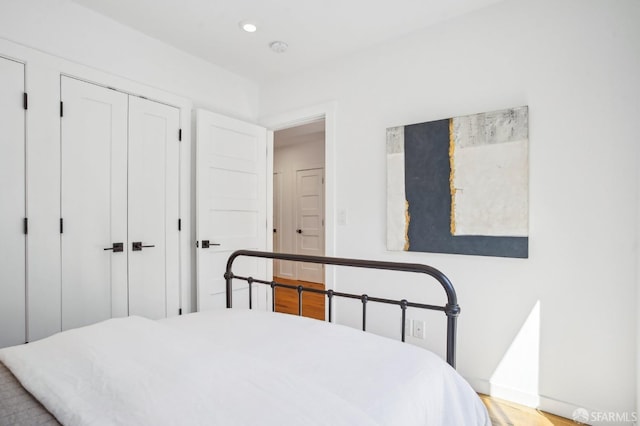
(58, 36)
(575, 63)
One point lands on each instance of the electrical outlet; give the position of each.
(418, 329)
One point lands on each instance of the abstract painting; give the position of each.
(460, 185)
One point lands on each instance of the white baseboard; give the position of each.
(549, 405)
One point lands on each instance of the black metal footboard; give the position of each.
(451, 309)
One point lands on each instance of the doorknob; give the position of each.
(137, 246)
(207, 244)
(299, 231)
(116, 247)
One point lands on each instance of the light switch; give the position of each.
(342, 217)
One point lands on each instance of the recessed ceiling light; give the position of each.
(279, 46)
(249, 27)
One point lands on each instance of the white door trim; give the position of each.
(302, 116)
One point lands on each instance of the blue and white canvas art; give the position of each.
(460, 185)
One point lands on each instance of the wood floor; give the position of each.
(287, 299)
(502, 413)
(505, 413)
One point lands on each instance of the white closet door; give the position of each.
(154, 290)
(231, 204)
(12, 204)
(93, 203)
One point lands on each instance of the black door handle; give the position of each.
(116, 247)
(137, 246)
(299, 231)
(207, 244)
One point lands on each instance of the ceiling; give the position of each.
(316, 31)
(309, 132)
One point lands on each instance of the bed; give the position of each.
(239, 367)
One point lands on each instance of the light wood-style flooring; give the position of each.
(502, 413)
(505, 413)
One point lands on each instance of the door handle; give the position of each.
(137, 246)
(207, 244)
(116, 247)
(299, 231)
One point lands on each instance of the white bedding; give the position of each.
(239, 367)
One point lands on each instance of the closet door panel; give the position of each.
(153, 209)
(93, 203)
(12, 204)
(43, 203)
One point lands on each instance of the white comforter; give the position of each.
(238, 367)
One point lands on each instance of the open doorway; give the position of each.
(299, 213)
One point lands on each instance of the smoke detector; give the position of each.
(279, 46)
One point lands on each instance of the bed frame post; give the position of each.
(403, 306)
(228, 276)
(452, 312)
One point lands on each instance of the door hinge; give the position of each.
(197, 244)
(25, 100)
(25, 226)
(61, 225)
(180, 311)
(61, 109)
(179, 224)
(180, 135)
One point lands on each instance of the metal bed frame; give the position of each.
(451, 309)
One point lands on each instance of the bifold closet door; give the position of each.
(12, 204)
(153, 209)
(120, 205)
(93, 203)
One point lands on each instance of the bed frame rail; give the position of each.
(451, 309)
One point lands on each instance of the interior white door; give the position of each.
(93, 203)
(231, 205)
(310, 222)
(12, 204)
(153, 192)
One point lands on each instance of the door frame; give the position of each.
(295, 118)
